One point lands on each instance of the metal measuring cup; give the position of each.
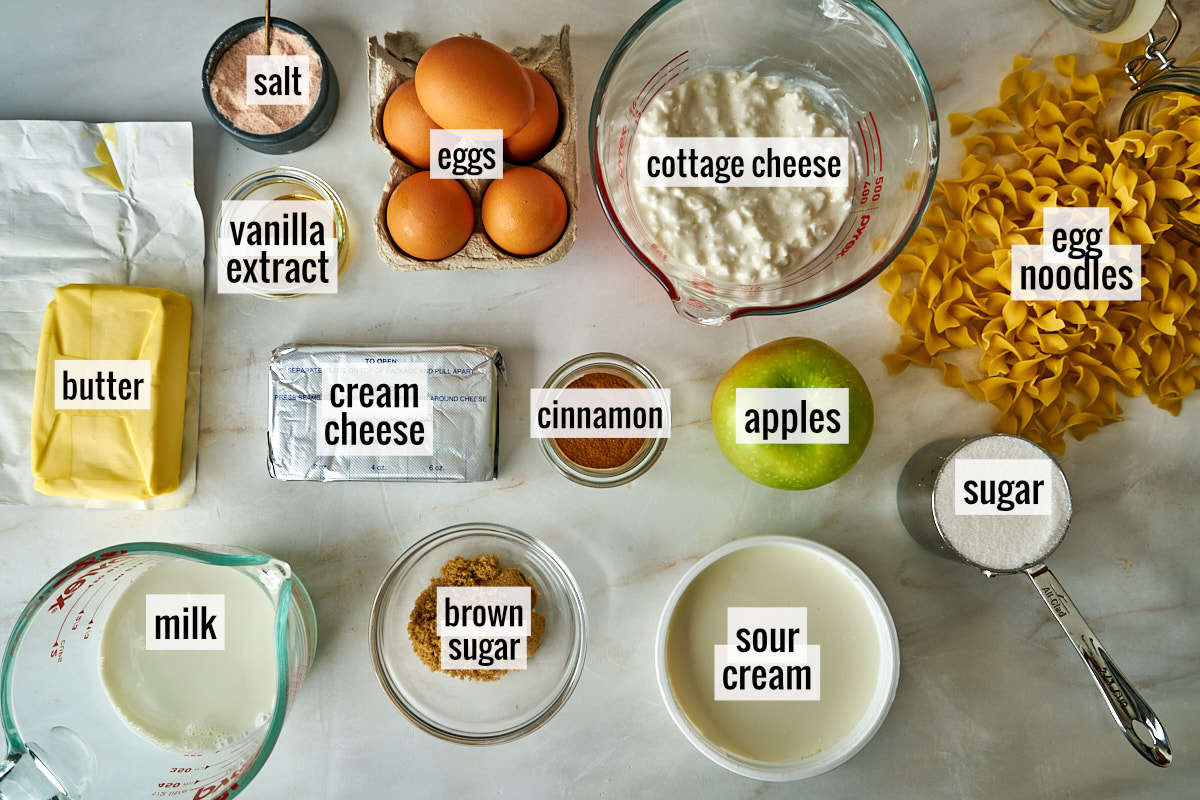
(918, 510)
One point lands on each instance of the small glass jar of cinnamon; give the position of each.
(602, 462)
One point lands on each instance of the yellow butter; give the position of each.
(118, 454)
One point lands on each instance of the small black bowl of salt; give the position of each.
(275, 128)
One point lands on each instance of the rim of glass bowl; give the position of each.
(898, 39)
(603, 478)
(255, 180)
(550, 561)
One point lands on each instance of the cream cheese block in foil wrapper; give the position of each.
(384, 412)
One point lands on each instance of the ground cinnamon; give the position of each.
(483, 570)
(600, 453)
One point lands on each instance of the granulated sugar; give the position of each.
(228, 83)
(1001, 542)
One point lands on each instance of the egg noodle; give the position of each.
(1053, 367)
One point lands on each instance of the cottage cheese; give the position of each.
(749, 235)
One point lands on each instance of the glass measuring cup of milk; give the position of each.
(70, 726)
(852, 60)
(1020, 543)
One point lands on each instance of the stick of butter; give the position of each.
(129, 449)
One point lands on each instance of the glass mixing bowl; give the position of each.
(857, 66)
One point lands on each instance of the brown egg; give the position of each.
(406, 126)
(430, 219)
(524, 212)
(464, 82)
(530, 142)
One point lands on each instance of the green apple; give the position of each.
(793, 363)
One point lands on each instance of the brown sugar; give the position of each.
(596, 453)
(482, 570)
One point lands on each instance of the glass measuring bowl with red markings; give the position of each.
(862, 73)
(66, 738)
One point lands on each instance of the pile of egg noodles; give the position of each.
(1056, 367)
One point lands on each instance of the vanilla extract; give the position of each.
(267, 271)
(292, 229)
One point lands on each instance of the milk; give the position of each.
(839, 620)
(192, 700)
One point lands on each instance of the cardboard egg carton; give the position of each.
(394, 61)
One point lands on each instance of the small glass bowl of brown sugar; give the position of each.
(478, 707)
(603, 462)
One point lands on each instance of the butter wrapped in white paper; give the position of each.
(114, 204)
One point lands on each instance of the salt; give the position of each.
(228, 83)
(1001, 542)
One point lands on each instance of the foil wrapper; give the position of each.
(464, 427)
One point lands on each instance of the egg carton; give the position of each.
(394, 61)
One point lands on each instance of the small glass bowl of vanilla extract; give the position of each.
(290, 183)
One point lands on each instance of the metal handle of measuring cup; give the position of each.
(1124, 703)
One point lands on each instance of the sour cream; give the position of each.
(748, 235)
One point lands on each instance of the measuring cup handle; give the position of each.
(23, 776)
(1124, 703)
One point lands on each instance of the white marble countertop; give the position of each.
(992, 701)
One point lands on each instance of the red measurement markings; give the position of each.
(679, 70)
(866, 148)
(228, 785)
(840, 248)
(868, 130)
(69, 593)
(863, 222)
(82, 565)
(72, 593)
(86, 593)
(674, 68)
(638, 106)
(112, 587)
(75, 570)
(878, 139)
(621, 151)
(210, 792)
(236, 762)
(221, 789)
(871, 193)
(60, 601)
